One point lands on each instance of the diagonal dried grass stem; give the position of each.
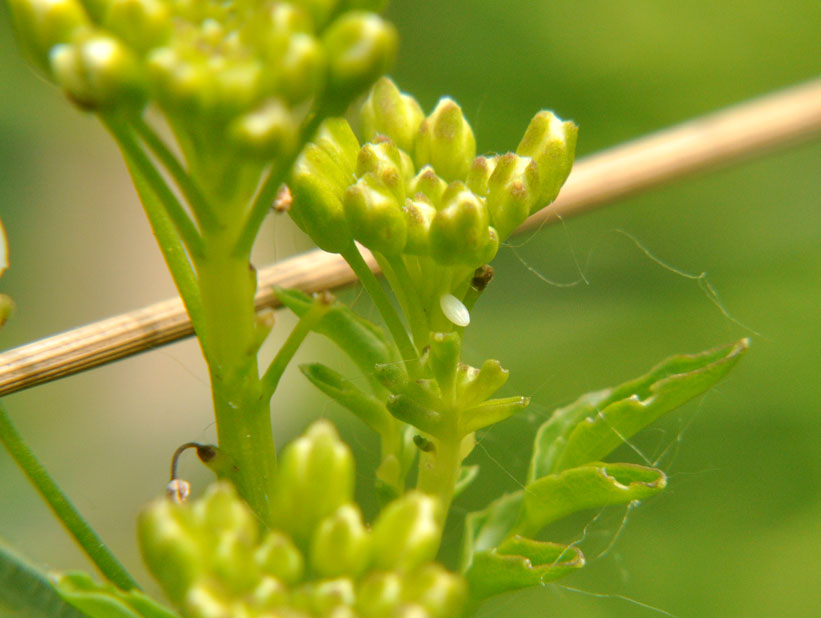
(714, 140)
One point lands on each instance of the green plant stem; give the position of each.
(65, 511)
(383, 304)
(188, 233)
(439, 469)
(270, 380)
(168, 240)
(200, 206)
(412, 305)
(242, 412)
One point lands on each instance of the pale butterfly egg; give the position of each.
(454, 310)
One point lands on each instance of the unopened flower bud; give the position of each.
(360, 47)
(428, 184)
(315, 478)
(232, 562)
(379, 594)
(445, 141)
(42, 24)
(479, 174)
(375, 216)
(341, 544)
(459, 231)
(551, 143)
(331, 594)
(383, 160)
(6, 308)
(512, 191)
(267, 131)
(389, 112)
(419, 215)
(171, 547)
(206, 600)
(142, 24)
(317, 185)
(269, 594)
(440, 592)
(302, 67)
(278, 557)
(97, 71)
(407, 532)
(221, 510)
(336, 137)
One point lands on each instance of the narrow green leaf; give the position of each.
(491, 412)
(364, 342)
(369, 409)
(591, 486)
(106, 601)
(520, 563)
(594, 425)
(25, 591)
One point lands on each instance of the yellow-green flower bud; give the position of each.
(97, 71)
(318, 185)
(459, 232)
(419, 215)
(278, 557)
(267, 131)
(232, 562)
(551, 143)
(315, 477)
(302, 67)
(171, 546)
(221, 510)
(428, 184)
(407, 532)
(479, 174)
(336, 137)
(360, 47)
(375, 216)
(269, 594)
(391, 113)
(330, 594)
(320, 10)
(177, 81)
(341, 544)
(440, 592)
(445, 141)
(384, 161)
(6, 308)
(379, 594)
(207, 600)
(42, 24)
(512, 192)
(142, 24)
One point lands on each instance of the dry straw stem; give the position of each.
(748, 129)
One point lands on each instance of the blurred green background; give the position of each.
(738, 531)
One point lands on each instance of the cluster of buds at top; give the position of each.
(416, 188)
(214, 559)
(247, 67)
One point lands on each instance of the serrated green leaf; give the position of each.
(520, 563)
(26, 591)
(363, 341)
(486, 529)
(106, 601)
(587, 487)
(594, 425)
(366, 407)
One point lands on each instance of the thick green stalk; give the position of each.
(65, 511)
(227, 285)
(439, 468)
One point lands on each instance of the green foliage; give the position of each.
(254, 94)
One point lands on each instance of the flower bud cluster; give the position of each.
(213, 558)
(246, 66)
